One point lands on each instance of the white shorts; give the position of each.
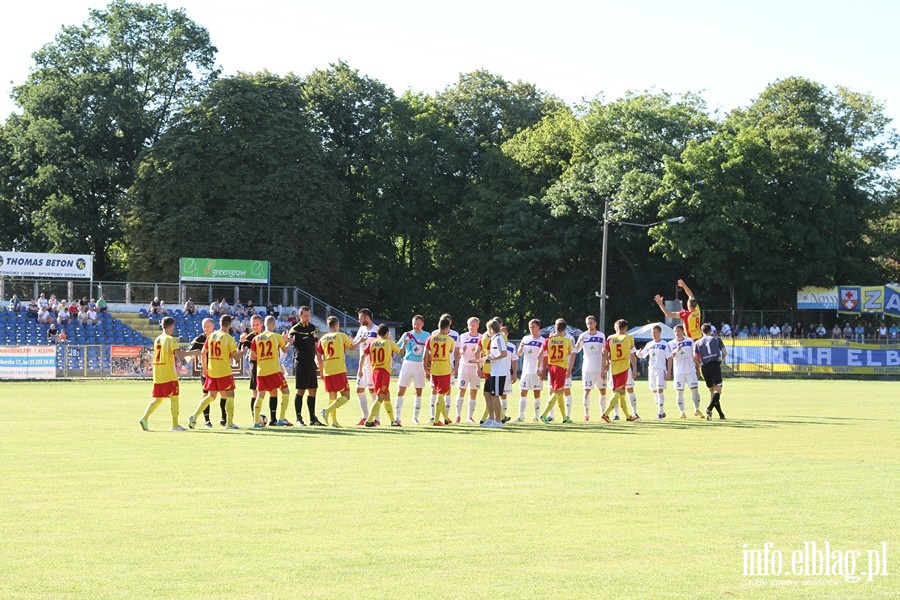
(682, 379)
(366, 380)
(656, 378)
(530, 382)
(470, 378)
(412, 372)
(593, 380)
(508, 388)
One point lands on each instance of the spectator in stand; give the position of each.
(894, 332)
(775, 330)
(32, 309)
(836, 332)
(811, 335)
(45, 317)
(821, 332)
(882, 332)
(763, 331)
(251, 310)
(798, 330)
(215, 308)
(292, 319)
(239, 309)
(82, 302)
(246, 323)
(15, 305)
(155, 305)
(281, 324)
(189, 307)
(101, 305)
(859, 333)
(62, 317)
(83, 315)
(754, 330)
(73, 310)
(224, 308)
(744, 333)
(42, 302)
(270, 310)
(163, 309)
(92, 315)
(53, 305)
(787, 330)
(726, 330)
(53, 334)
(848, 331)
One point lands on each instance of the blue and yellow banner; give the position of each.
(812, 356)
(863, 299)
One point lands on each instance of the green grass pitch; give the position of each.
(93, 507)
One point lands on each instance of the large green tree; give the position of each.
(789, 193)
(98, 95)
(242, 175)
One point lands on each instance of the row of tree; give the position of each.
(485, 198)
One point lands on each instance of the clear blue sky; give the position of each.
(575, 49)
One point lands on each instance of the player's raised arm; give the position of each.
(686, 289)
(661, 304)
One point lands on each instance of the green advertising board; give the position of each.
(224, 270)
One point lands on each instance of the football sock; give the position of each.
(377, 410)
(173, 405)
(399, 407)
(587, 405)
(679, 399)
(311, 405)
(298, 406)
(257, 408)
(503, 405)
(696, 398)
(661, 400)
(612, 405)
(568, 405)
(222, 406)
(363, 403)
(602, 403)
(273, 406)
(389, 409)
(433, 404)
(632, 397)
(459, 405)
(537, 407)
(417, 407)
(154, 404)
(336, 404)
(229, 411)
(440, 412)
(523, 404)
(206, 414)
(371, 416)
(624, 405)
(285, 399)
(204, 404)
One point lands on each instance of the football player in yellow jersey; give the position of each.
(690, 317)
(438, 350)
(218, 352)
(381, 355)
(165, 379)
(621, 362)
(331, 349)
(558, 359)
(267, 348)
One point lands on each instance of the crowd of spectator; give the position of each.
(859, 331)
(59, 312)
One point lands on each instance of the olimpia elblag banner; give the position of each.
(858, 299)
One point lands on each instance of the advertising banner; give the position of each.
(27, 362)
(223, 270)
(812, 356)
(32, 264)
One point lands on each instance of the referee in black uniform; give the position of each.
(304, 336)
(709, 352)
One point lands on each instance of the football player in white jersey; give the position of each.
(468, 351)
(592, 343)
(684, 370)
(513, 374)
(455, 335)
(531, 349)
(367, 333)
(659, 367)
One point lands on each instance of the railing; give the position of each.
(174, 294)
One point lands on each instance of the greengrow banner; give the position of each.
(812, 356)
(859, 299)
(27, 362)
(224, 270)
(32, 264)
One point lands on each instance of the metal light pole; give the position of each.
(602, 319)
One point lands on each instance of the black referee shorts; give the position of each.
(712, 373)
(305, 376)
(253, 376)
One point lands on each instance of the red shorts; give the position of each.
(219, 384)
(270, 383)
(336, 383)
(381, 380)
(620, 380)
(440, 384)
(165, 390)
(558, 376)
